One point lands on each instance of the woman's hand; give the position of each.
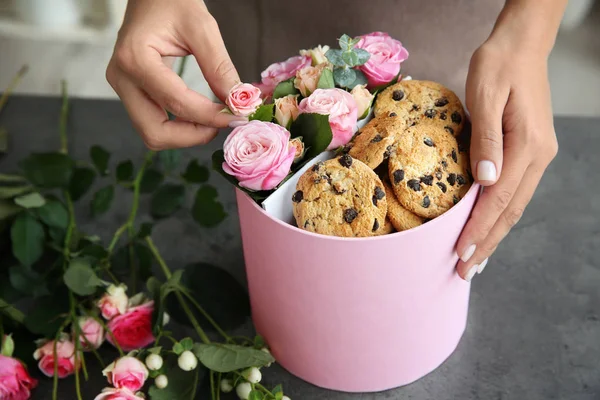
(513, 139)
(152, 33)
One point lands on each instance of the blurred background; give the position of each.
(73, 39)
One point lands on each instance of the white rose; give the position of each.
(363, 99)
(317, 54)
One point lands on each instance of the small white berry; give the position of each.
(266, 350)
(285, 398)
(161, 381)
(187, 361)
(154, 362)
(226, 386)
(252, 375)
(243, 390)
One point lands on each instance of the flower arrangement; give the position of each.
(303, 106)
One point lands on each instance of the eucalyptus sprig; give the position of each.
(345, 60)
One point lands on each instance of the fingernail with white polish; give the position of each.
(486, 171)
(481, 266)
(235, 124)
(468, 253)
(471, 273)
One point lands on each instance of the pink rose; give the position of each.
(307, 79)
(114, 302)
(258, 155)
(279, 72)
(132, 330)
(65, 358)
(118, 394)
(363, 99)
(15, 382)
(386, 56)
(91, 330)
(243, 99)
(286, 110)
(342, 111)
(126, 373)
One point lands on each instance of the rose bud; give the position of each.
(307, 79)
(286, 110)
(65, 358)
(114, 302)
(91, 333)
(317, 54)
(363, 99)
(281, 71)
(243, 99)
(299, 146)
(126, 373)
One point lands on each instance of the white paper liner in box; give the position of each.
(279, 203)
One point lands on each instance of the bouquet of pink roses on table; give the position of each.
(303, 106)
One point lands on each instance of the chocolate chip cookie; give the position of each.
(340, 197)
(400, 217)
(427, 172)
(417, 101)
(376, 141)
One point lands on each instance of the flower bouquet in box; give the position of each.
(302, 107)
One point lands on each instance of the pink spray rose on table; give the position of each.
(126, 373)
(91, 330)
(243, 99)
(387, 54)
(114, 302)
(15, 382)
(118, 394)
(363, 99)
(307, 79)
(258, 154)
(286, 109)
(341, 108)
(132, 330)
(65, 358)
(281, 71)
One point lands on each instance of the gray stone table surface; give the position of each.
(533, 331)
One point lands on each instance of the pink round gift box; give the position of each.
(356, 314)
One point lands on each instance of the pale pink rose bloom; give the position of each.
(387, 54)
(317, 54)
(15, 382)
(91, 330)
(299, 146)
(132, 330)
(281, 71)
(65, 358)
(258, 155)
(243, 99)
(126, 373)
(118, 394)
(114, 302)
(307, 79)
(363, 99)
(286, 109)
(342, 111)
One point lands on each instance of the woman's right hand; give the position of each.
(154, 32)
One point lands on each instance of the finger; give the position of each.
(153, 123)
(509, 218)
(206, 43)
(169, 91)
(492, 203)
(487, 102)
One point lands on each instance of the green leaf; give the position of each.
(277, 389)
(229, 357)
(48, 170)
(195, 173)
(95, 251)
(278, 396)
(362, 56)
(155, 289)
(125, 171)
(187, 343)
(178, 348)
(263, 113)
(217, 292)
(144, 260)
(100, 159)
(259, 342)
(285, 88)
(8, 346)
(145, 230)
(361, 79)
(12, 178)
(169, 159)
(31, 200)
(8, 192)
(102, 200)
(344, 77)
(315, 132)
(8, 209)
(350, 58)
(27, 236)
(81, 278)
(207, 210)
(167, 199)
(47, 314)
(27, 281)
(151, 180)
(326, 80)
(255, 395)
(345, 42)
(54, 214)
(81, 181)
(182, 384)
(335, 57)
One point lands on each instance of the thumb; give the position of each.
(207, 46)
(486, 107)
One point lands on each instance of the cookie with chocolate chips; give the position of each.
(341, 197)
(400, 217)
(428, 172)
(375, 141)
(417, 101)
